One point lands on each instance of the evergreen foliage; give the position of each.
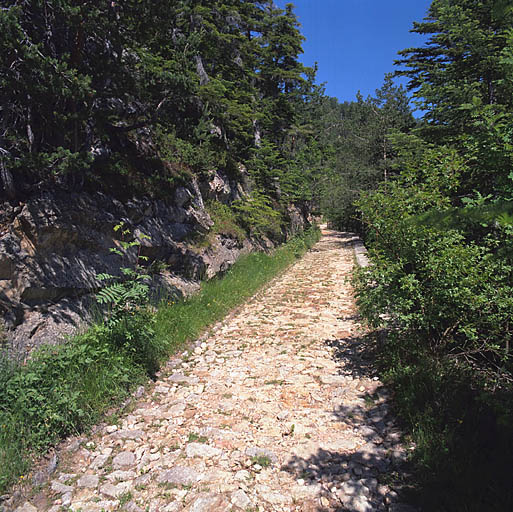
(355, 145)
(461, 63)
(135, 97)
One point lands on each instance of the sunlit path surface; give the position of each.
(277, 409)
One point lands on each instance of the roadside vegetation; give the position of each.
(439, 228)
(129, 110)
(64, 389)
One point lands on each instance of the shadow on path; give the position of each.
(357, 476)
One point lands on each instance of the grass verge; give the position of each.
(64, 389)
(186, 320)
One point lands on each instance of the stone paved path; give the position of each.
(276, 410)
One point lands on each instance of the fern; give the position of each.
(129, 292)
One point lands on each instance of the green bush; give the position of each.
(225, 221)
(258, 216)
(60, 391)
(454, 294)
(445, 299)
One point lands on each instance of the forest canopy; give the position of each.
(145, 94)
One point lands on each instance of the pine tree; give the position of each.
(392, 113)
(154, 91)
(460, 63)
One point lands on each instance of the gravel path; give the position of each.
(276, 410)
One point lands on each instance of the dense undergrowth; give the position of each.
(64, 389)
(443, 291)
(439, 228)
(462, 431)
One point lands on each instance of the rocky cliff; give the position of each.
(54, 244)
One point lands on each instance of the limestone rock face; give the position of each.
(299, 216)
(54, 244)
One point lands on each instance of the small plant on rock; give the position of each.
(261, 460)
(195, 438)
(126, 294)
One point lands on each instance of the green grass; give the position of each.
(195, 438)
(59, 392)
(65, 389)
(261, 460)
(225, 223)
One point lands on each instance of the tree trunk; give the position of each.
(257, 134)
(201, 71)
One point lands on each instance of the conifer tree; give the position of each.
(146, 89)
(460, 64)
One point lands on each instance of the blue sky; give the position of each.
(355, 42)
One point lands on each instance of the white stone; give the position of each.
(99, 462)
(61, 488)
(242, 475)
(27, 507)
(180, 475)
(66, 499)
(176, 506)
(114, 491)
(275, 498)
(123, 459)
(64, 477)
(88, 481)
(202, 450)
(121, 476)
(283, 415)
(240, 499)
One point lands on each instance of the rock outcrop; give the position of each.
(53, 245)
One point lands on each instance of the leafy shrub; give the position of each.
(258, 216)
(130, 321)
(134, 336)
(444, 294)
(225, 221)
(126, 294)
(60, 391)
(456, 295)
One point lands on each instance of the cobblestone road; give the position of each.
(277, 409)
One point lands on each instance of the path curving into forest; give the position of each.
(277, 409)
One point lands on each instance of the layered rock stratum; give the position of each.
(54, 244)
